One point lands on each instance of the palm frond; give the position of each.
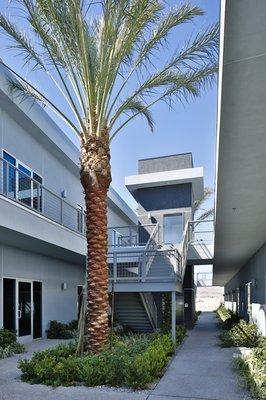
(138, 107)
(21, 42)
(104, 63)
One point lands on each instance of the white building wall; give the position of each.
(58, 304)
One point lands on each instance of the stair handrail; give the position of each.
(184, 248)
(148, 255)
(204, 248)
(150, 307)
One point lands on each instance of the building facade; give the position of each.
(240, 228)
(42, 225)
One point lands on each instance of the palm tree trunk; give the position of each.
(96, 179)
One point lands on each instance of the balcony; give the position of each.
(20, 188)
(136, 254)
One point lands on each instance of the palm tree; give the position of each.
(101, 57)
(203, 213)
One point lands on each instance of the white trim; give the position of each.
(17, 280)
(32, 171)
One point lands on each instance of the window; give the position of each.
(80, 218)
(37, 192)
(24, 185)
(21, 183)
(9, 175)
(248, 300)
(173, 228)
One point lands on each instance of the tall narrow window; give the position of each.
(24, 185)
(80, 218)
(9, 175)
(173, 228)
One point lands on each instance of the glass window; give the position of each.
(80, 218)
(24, 185)
(173, 228)
(37, 192)
(9, 175)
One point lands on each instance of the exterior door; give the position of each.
(173, 228)
(24, 308)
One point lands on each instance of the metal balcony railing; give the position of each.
(132, 235)
(19, 187)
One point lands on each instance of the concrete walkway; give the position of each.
(201, 370)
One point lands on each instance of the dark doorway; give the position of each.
(9, 300)
(37, 307)
(24, 308)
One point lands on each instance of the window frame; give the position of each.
(172, 215)
(32, 171)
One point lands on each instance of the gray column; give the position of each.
(173, 316)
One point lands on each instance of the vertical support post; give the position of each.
(61, 211)
(114, 267)
(112, 313)
(173, 326)
(130, 236)
(142, 264)
(38, 198)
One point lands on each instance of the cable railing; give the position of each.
(132, 266)
(131, 235)
(18, 186)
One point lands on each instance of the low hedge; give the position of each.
(59, 330)
(253, 370)
(236, 331)
(8, 344)
(242, 334)
(227, 318)
(135, 361)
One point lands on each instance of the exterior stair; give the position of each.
(161, 266)
(130, 312)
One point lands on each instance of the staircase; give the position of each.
(161, 266)
(131, 312)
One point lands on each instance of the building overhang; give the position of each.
(240, 228)
(166, 178)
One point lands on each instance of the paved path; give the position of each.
(201, 370)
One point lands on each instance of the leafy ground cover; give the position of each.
(236, 332)
(8, 344)
(135, 361)
(59, 330)
(252, 367)
(253, 370)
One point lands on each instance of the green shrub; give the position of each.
(241, 334)
(227, 318)
(58, 330)
(222, 313)
(8, 344)
(253, 370)
(180, 334)
(134, 361)
(7, 338)
(11, 350)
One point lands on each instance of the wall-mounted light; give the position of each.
(149, 215)
(64, 194)
(253, 282)
(64, 286)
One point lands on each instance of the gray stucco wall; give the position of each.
(253, 271)
(24, 147)
(167, 163)
(58, 304)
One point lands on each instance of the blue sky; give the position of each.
(188, 128)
